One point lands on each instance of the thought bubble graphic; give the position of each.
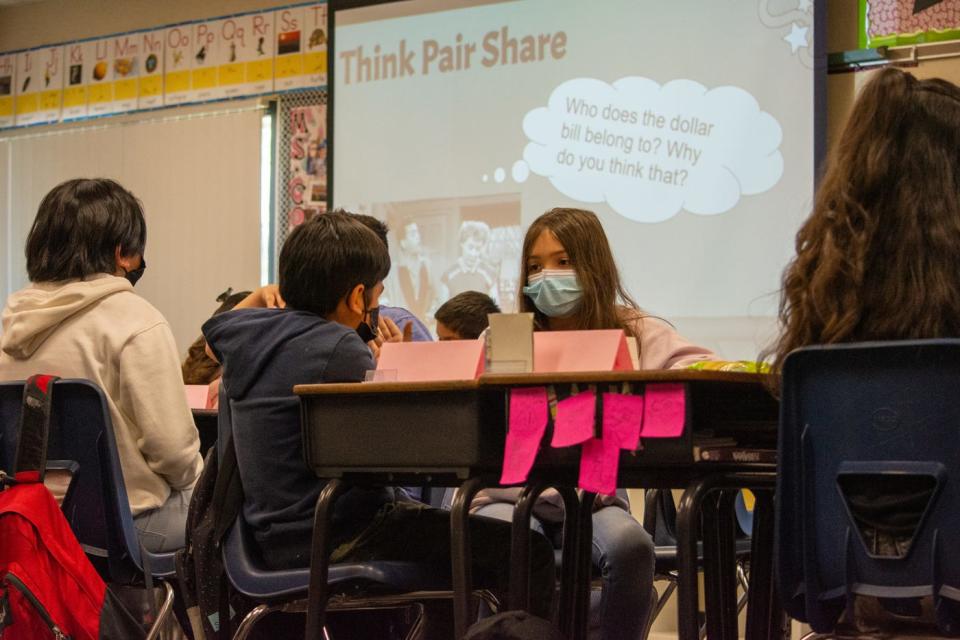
(650, 150)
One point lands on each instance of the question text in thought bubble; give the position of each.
(650, 150)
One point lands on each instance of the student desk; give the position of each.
(452, 434)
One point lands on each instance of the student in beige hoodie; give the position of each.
(79, 318)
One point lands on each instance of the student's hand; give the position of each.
(390, 332)
(265, 297)
(375, 350)
(271, 297)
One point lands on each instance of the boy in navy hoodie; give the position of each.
(331, 273)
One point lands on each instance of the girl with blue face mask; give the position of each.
(569, 281)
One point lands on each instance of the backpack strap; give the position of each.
(31, 460)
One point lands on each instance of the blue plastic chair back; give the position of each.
(96, 506)
(875, 409)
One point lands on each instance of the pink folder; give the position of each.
(600, 350)
(432, 361)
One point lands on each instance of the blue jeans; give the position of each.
(624, 555)
(165, 528)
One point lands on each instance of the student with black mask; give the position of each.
(331, 277)
(80, 318)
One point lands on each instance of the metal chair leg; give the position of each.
(320, 557)
(460, 553)
(246, 625)
(584, 564)
(765, 618)
(520, 546)
(569, 562)
(163, 613)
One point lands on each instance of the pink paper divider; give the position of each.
(196, 395)
(623, 418)
(527, 422)
(575, 419)
(664, 410)
(598, 350)
(432, 361)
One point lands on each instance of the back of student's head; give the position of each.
(324, 258)
(582, 237)
(879, 257)
(376, 225)
(79, 226)
(466, 313)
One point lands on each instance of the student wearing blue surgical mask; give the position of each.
(569, 281)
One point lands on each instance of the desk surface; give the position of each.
(457, 428)
(515, 379)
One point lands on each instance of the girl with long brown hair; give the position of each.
(570, 281)
(879, 257)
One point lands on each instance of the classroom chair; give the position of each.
(885, 416)
(660, 521)
(81, 439)
(358, 586)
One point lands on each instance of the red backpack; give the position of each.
(48, 588)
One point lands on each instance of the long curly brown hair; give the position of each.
(606, 304)
(879, 257)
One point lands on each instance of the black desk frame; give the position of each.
(707, 486)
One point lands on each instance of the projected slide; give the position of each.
(687, 126)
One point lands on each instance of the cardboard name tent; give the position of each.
(196, 395)
(600, 350)
(431, 361)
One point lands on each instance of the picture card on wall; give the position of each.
(75, 80)
(246, 55)
(126, 70)
(206, 51)
(301, 59)
(177, 64)
(99, 74)
(288, 60)
(39, 87)
(150, 90)
(315, 47)
(8, 77)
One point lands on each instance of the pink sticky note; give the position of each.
(599, 464)
(431, 361)
(622, 417)
(664, 411)
(575, 419)
(528, 421)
